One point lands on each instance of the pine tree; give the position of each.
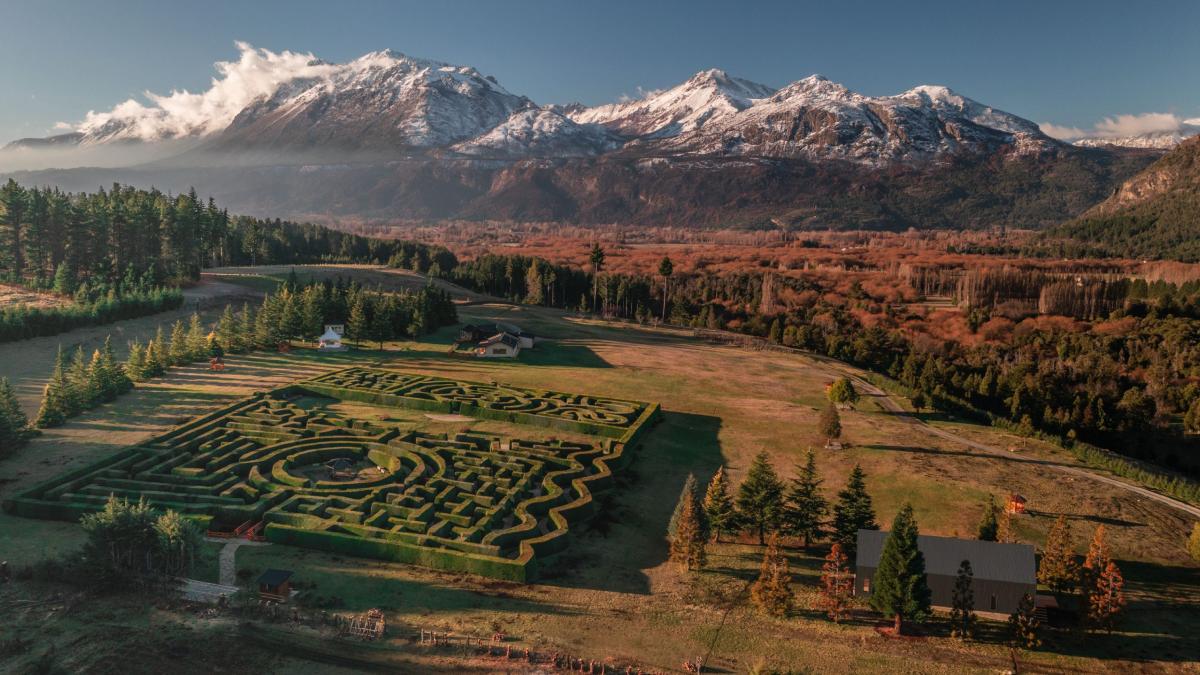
(853, 512)
(197, 339)
(135, 363)
(1193, 543)
(98, 382)
(837, 585)
(988, 525)
(689, 489)
(962, 603)
(805, 509)
(53, 411)
(245, 331)
(760, 498)
(1024, 626)
(687, 542)
(13, 421)
(157, 355)
(900, 587)
(830, 424)
(80, 385)
(772, 592)
(227, 329)
(1004, 531)
(1057, 569)
(114, 375)
(177, 352)
(1106, 598)
(359, 323)
(718, 505)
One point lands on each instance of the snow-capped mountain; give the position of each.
(269, 106)
(381, 101)
(1159, 140)
(541, 132)
(707, 96)
(391, 136)
(815, 118)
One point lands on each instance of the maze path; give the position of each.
(470, 501)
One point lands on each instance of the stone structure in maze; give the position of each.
(469, 501)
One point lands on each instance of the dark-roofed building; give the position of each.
(501, 345)
(1003, 572)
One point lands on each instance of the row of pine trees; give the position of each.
(769, 509)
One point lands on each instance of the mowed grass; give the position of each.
(612, 593)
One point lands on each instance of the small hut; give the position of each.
(275, 585)
(331, 339)
(1015, 504)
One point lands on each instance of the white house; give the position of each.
(331, 339)
(499, 346)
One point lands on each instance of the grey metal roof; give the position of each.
(989, 560)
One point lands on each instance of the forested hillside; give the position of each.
(50, 238)
(1155, 214)
(117, 254)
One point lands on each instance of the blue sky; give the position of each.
(1070, 63)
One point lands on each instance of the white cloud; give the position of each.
(1121, 126)
(1062, 133)
(64, 126)
(257, 73)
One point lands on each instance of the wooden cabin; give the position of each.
(275, 585)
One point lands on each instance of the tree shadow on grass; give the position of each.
(409, 594)
(960, 453)
(629, 535)
(563, 354)
(1092, 518)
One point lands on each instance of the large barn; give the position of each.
(1003, 572)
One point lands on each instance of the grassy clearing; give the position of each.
(612, 593)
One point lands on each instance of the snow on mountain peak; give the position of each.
(703, 97)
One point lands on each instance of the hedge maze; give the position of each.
(470, 502)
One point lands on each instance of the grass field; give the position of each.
(612, 594)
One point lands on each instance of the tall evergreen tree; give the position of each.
(246, 337)
(689, 495)
(13, 421)
(116, 381)
(177, 352)
(687, 542)
(853, 512)
(55, 405)
(772, 591)
(1057, 569)
(1004, 529)
(988, 525)
(718, 505)
(962, 603)
(804, 512)
(135, 363)
(81, 388)
(359, 322)
(197, 339)
(760, 498)
(900, 588)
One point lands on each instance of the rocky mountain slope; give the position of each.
(1154, 214)
(391, 136)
